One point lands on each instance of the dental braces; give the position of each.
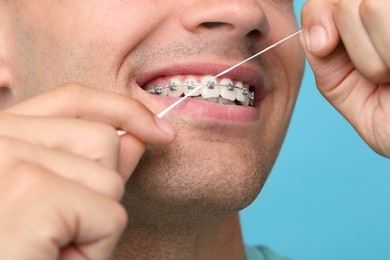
(158, 89)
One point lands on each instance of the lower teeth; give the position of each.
(219, 100)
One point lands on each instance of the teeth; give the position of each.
(251, 99)
(160, 90)
(227, 91)
(213, 99)
(175, 87)
(210, 88)
(189, 86)
(245, 103)
(242, 94)
(225, 101)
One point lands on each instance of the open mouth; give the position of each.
(224, 91)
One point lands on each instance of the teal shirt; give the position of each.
(261, 253)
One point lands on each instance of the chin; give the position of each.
(185, 183)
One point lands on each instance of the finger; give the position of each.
(321, 43)
(133, 149)
(336, 75)
(121, 112)
(320, 35)
(47, 213)
(74, 168)
(358, 43)
(375, 18)
(95, 141)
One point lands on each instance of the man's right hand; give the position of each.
(61, 172)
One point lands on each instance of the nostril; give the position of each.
(238, 19)
(254, 34)
(212, 25)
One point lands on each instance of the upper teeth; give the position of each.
(225, 90)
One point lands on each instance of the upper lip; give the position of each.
(243, 73)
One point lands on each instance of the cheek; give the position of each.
(117, 27)
(285, 69)
(87, 44)
(293, 63)
(289, 56)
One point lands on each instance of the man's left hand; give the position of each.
(347, 43)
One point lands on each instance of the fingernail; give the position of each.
(316, 39)
(164, 126)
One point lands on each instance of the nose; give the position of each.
(235, 19)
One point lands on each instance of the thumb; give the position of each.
(337, 78)
(321, 43)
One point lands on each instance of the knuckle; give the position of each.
(114, 186)
(118, 187)
(47, 232)
(120, 215)
(105, 142)
(104, 136)
(31, 174)
(111, 138)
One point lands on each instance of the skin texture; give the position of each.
(181, 200)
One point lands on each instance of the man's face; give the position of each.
(222, 153)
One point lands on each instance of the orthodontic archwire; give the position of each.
(158, 89)
(169, 108)
(190, 85)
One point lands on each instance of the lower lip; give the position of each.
(210, 110)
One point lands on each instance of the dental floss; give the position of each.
(120, 132)
(166, 110)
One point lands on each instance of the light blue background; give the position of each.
(328, 196)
